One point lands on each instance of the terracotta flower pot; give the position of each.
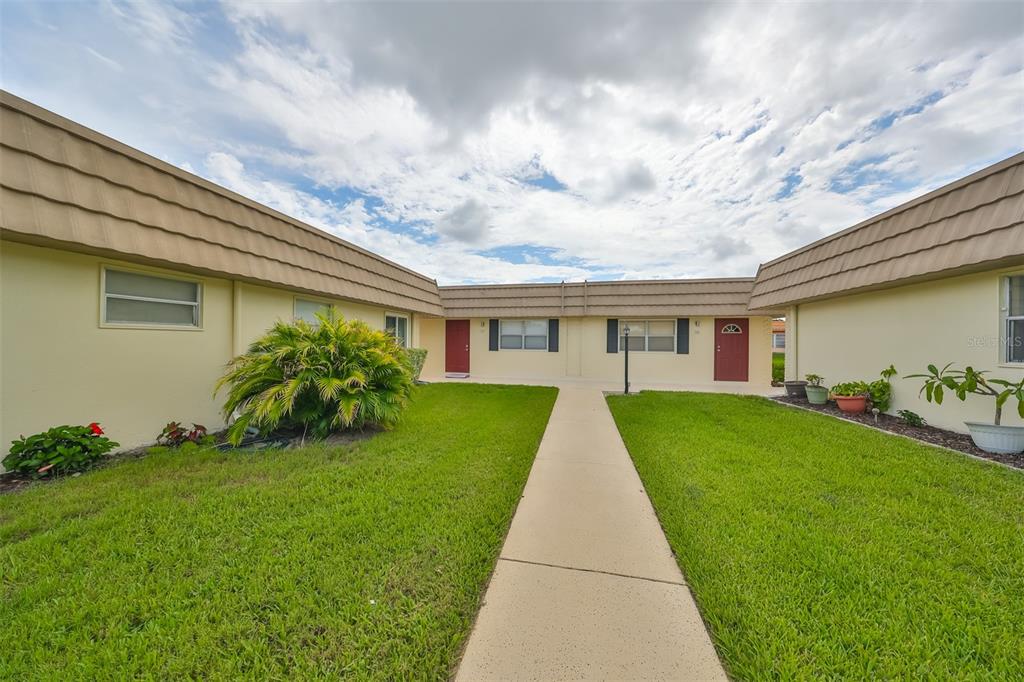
(854, 404)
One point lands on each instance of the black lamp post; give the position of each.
(626, 332)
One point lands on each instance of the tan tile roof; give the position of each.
(975, 223)
(654, 298)
(67, 186)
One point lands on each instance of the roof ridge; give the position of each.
(695, 280)
(999, 166)
(53, 119)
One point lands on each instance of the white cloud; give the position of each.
(692, 140)
(112, 63)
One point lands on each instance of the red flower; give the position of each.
(96, 430)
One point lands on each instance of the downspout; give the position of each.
(796, 342)
(236, 319)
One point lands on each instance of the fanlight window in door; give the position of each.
(732, 329)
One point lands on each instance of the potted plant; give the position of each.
(795, 388)
(995, 437)
(851, 396)
(816, 393)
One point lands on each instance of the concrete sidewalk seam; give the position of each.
(586, 585)
(593, 570)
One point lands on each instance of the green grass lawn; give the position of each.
(366, 560)
(778, 367)
(819, 549)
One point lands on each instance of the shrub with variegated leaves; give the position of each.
(332, 375)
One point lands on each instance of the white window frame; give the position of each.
(523, 321)
(1007, 318)
(778, 335)
(408, 327)
(197, 305)
(634, 325)
(309, 299)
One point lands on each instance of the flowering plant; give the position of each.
(60, 450)
(176, 434)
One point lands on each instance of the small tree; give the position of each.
(334, 375)
(969, 380)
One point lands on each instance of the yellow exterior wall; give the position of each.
(431, 337)
(58, 365)
(953, 320)
(260, 307)
(582, 355)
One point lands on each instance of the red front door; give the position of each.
(456, 346)
(732, 348)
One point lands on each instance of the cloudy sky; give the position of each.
(517, 142)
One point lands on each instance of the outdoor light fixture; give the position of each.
(626, 332)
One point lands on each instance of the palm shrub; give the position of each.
(320, 378)
(417, 356)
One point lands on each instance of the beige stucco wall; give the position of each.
(953, 320)
(431, 337)
(260, 307)
(582, 354)
(58, 365)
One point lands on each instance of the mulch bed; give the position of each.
(926, 434)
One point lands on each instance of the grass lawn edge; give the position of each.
(219, 483)
(730, 649)
(902, 435)
(457, 662)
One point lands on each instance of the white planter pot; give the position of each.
(1004, 440)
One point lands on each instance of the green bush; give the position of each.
(60, 450)
(912, 418)
(778, 367)
(417, 356)
(880, 393)
(320, 378)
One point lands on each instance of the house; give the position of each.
(693, 332)
(127, 284)
(938, 279)
(778, 336)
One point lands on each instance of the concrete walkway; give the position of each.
(586, 586)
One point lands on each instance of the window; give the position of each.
(648, 335)
(307, 310)
(779, 340)
(523, 335)
(1015, 318)
(732, 329)
(397, 326)
(133, 298)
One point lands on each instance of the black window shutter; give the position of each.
(613, 336)
(683, 335)
(494, 335)
(552, 336)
